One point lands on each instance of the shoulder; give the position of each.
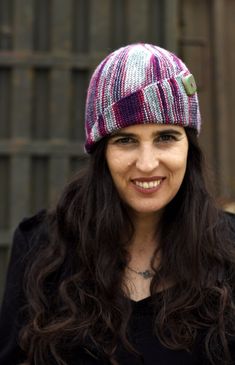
(31, 232)
(231, 218)
(26, 236)
(29, 237)
(36, 221)
(230, 223)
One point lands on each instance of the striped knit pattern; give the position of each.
(138, 84)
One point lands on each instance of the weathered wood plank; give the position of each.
(99, 30)
(23, 25)
(19, 188)
(78, 98)
(53, 147)
(39, 184)
(40, 104)
(119, 23)
(21, 103)
(40, 60)
(229, 79)
(5, 238)
(156, 20)
(80, 25)
(61, 26)
(5, 103)
(6, 9)
(58, 176)
(4, 192)
(137, 14)
(3, 268)
(221, 115)
(42, 25)
(196, 50)
(171, 25)
(60, 103)
(20, 127)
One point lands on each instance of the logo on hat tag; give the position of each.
(189, 84)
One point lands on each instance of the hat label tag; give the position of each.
(189, 84)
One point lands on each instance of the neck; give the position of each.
(144, 241)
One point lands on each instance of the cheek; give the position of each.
(177, 164)
(115, 165)
(118, 163)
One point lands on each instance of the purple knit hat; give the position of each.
(139, 84)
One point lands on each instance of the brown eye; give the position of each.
(124, 140)
(166, 138)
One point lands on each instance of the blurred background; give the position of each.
(48, 50)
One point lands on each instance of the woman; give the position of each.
(136, 264)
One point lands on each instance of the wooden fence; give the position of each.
(206, 42)
(48, 49)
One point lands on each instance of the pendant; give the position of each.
(147, 274)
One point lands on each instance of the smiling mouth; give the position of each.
(148, 184)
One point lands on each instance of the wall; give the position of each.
(48, 49)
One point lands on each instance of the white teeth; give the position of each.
(147, 185)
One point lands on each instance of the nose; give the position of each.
(147, 159)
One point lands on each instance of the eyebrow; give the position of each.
(154, 134)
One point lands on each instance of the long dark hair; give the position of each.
(74, 286)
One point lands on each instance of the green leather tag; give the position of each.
(189, 84)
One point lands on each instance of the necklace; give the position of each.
(147, 274)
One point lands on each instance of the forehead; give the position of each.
(151, 128)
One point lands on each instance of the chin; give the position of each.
(147, 210)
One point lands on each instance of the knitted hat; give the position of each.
(139, 84)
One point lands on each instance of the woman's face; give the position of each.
(147, 163)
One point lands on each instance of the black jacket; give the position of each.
(30, 234)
